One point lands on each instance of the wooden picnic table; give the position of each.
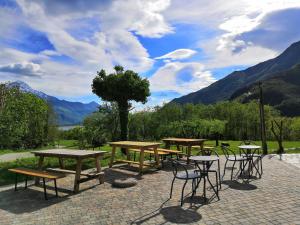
(186, 142)
(78, 155)
(141, 146)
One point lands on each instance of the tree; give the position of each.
(23, 119)
(121, 87)
(277, 131)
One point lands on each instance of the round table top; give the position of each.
(204, 158)
(249, 146)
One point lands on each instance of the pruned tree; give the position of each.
(277, 132)
(121, 87)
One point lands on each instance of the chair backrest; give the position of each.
(247, 142)
(227, 151)
(178, 166)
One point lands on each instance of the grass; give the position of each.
(8, 178)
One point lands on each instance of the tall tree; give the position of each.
(121, 87)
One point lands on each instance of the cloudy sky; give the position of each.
(57, 46)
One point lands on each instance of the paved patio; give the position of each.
(274, 199)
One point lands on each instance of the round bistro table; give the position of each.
(207, 162)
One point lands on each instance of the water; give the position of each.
(68, 127)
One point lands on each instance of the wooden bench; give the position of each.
(161, 152)
(36, 173)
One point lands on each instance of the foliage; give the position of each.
(25, 120)
(121, 87)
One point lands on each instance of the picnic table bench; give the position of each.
(36, 173)
(141, 147)
(79, 156)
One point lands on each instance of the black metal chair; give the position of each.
(257, 155)
(181, 172)
(232, 157)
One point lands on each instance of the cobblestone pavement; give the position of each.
(274, 199)
(293, 159)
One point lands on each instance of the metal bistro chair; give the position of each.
(231, 156)
(181, 172)
(257, 155)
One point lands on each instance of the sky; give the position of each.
(57, 46)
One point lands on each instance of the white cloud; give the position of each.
(181, 77)
(22, 69)
(178, 54)
(244, 35)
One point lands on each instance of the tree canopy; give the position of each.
(121, 87)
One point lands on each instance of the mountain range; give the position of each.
(68, 113)
(280, 79)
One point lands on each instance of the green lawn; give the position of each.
(8, 178)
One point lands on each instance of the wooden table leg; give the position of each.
(77, 175)
(141, 161)
(201, 145)
(167, 145)
(98, 167)
(40, 165)
(156, 157)
(113, 152)
(128, 156)
(61, 163)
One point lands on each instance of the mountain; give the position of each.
(68, 113)
(282, 91)
(224, 88)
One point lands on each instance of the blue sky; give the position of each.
(57, 46)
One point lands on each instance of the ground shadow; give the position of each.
(26, 201)
(176, 214)
(233, 184)
(173, 214)
(119, 172)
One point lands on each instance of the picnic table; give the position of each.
(79, 156)
(186, 142)
(140, 146)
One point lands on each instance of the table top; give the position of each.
(204, 158)
(183, 140)
(68, 153)
(249, 146)
(134, 144)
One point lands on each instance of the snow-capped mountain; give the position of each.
(68, 113)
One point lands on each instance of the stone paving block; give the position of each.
(273, 199)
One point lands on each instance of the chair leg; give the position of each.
(26, 178)
(217, 185)
(219, 173)
(45, 193)
(224, 169)
(172, 187)
(212, 186)
(134, 155)
(232, 169)
(55, 186)
(16, 182)
(182, 192)
(261, 169)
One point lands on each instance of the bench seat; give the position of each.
(36, 173)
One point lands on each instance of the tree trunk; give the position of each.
(217, 139)
(278, 136)
(123, 114)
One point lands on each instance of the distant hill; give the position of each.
(282, 91)
(68, 113)
(224, 88)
